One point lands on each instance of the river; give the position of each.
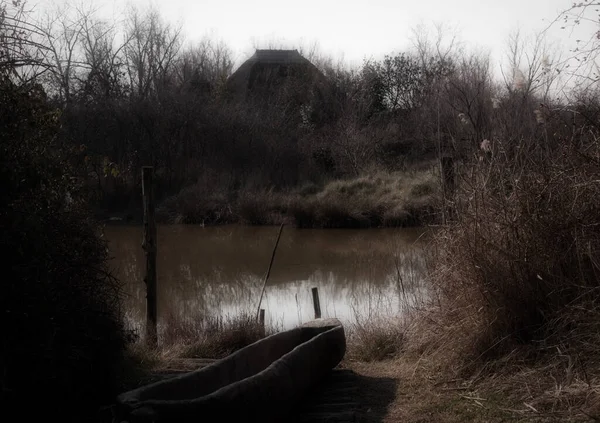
(219, 271)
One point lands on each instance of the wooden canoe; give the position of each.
(259, 383)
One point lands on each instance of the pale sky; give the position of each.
(352, 30)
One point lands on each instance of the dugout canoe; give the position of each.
(259, 383)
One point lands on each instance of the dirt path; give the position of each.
(396, 391)
(335, 399)
(392, 391)
(379, 392)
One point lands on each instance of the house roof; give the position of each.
(278, 56)
(263, 59)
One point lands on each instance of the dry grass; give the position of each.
(423, 394)
(375, 339)
(419, 395)
(520, 265)
(138, 365)
(197, 204)
(374, 200)
(557, 389)
(262, 207)
(515, 315)
(378, 330)
(511, 330)
(208, 337)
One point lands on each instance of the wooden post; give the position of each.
(448, 185)
(316, 303)
(448, 178)
(149, 246)
(261, 321)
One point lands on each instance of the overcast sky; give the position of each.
(352, 30)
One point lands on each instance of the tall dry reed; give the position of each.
(518, 269)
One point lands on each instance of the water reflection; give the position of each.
(219, 271)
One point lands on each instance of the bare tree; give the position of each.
(468, 93)
(440, 45)
(354, 147)
(61, 32)
(402, 80)
(207, 62)
(102, 57)
(533, 66)
(151, 51)
(21, 54)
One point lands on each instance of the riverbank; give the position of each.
(411, 390)
(407, 380)
(405, 385)
(509, 322)
(400, 199)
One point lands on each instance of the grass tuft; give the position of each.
(395, 199)
(375, 340)
(209, 337)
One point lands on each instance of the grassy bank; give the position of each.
(405, 383)
(509, 328)
(372, 200)
(510, 332)
(195, 336)
(209, 337)
(397, 382)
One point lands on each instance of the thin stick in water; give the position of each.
(268, 271)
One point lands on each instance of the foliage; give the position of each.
(61, 333)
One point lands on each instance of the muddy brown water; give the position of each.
(219, 271)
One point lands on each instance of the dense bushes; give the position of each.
(520, 266)
(383, 199)
(62, 338)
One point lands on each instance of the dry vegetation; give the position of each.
(511, 330)
(376, 339)
(379, 199)
(197, 336)
(409, 198)
(209, 337)
(517, 279)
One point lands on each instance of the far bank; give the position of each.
(372, 200)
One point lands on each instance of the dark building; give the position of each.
(268, 70)
(282, 76)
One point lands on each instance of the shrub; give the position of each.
(520, 265)
(260, 207)
(375, 200)
(308, 189)
(304, 212)
(422, 189)
(62, 338)
(197, 204)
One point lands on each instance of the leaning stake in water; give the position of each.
(262, 292)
